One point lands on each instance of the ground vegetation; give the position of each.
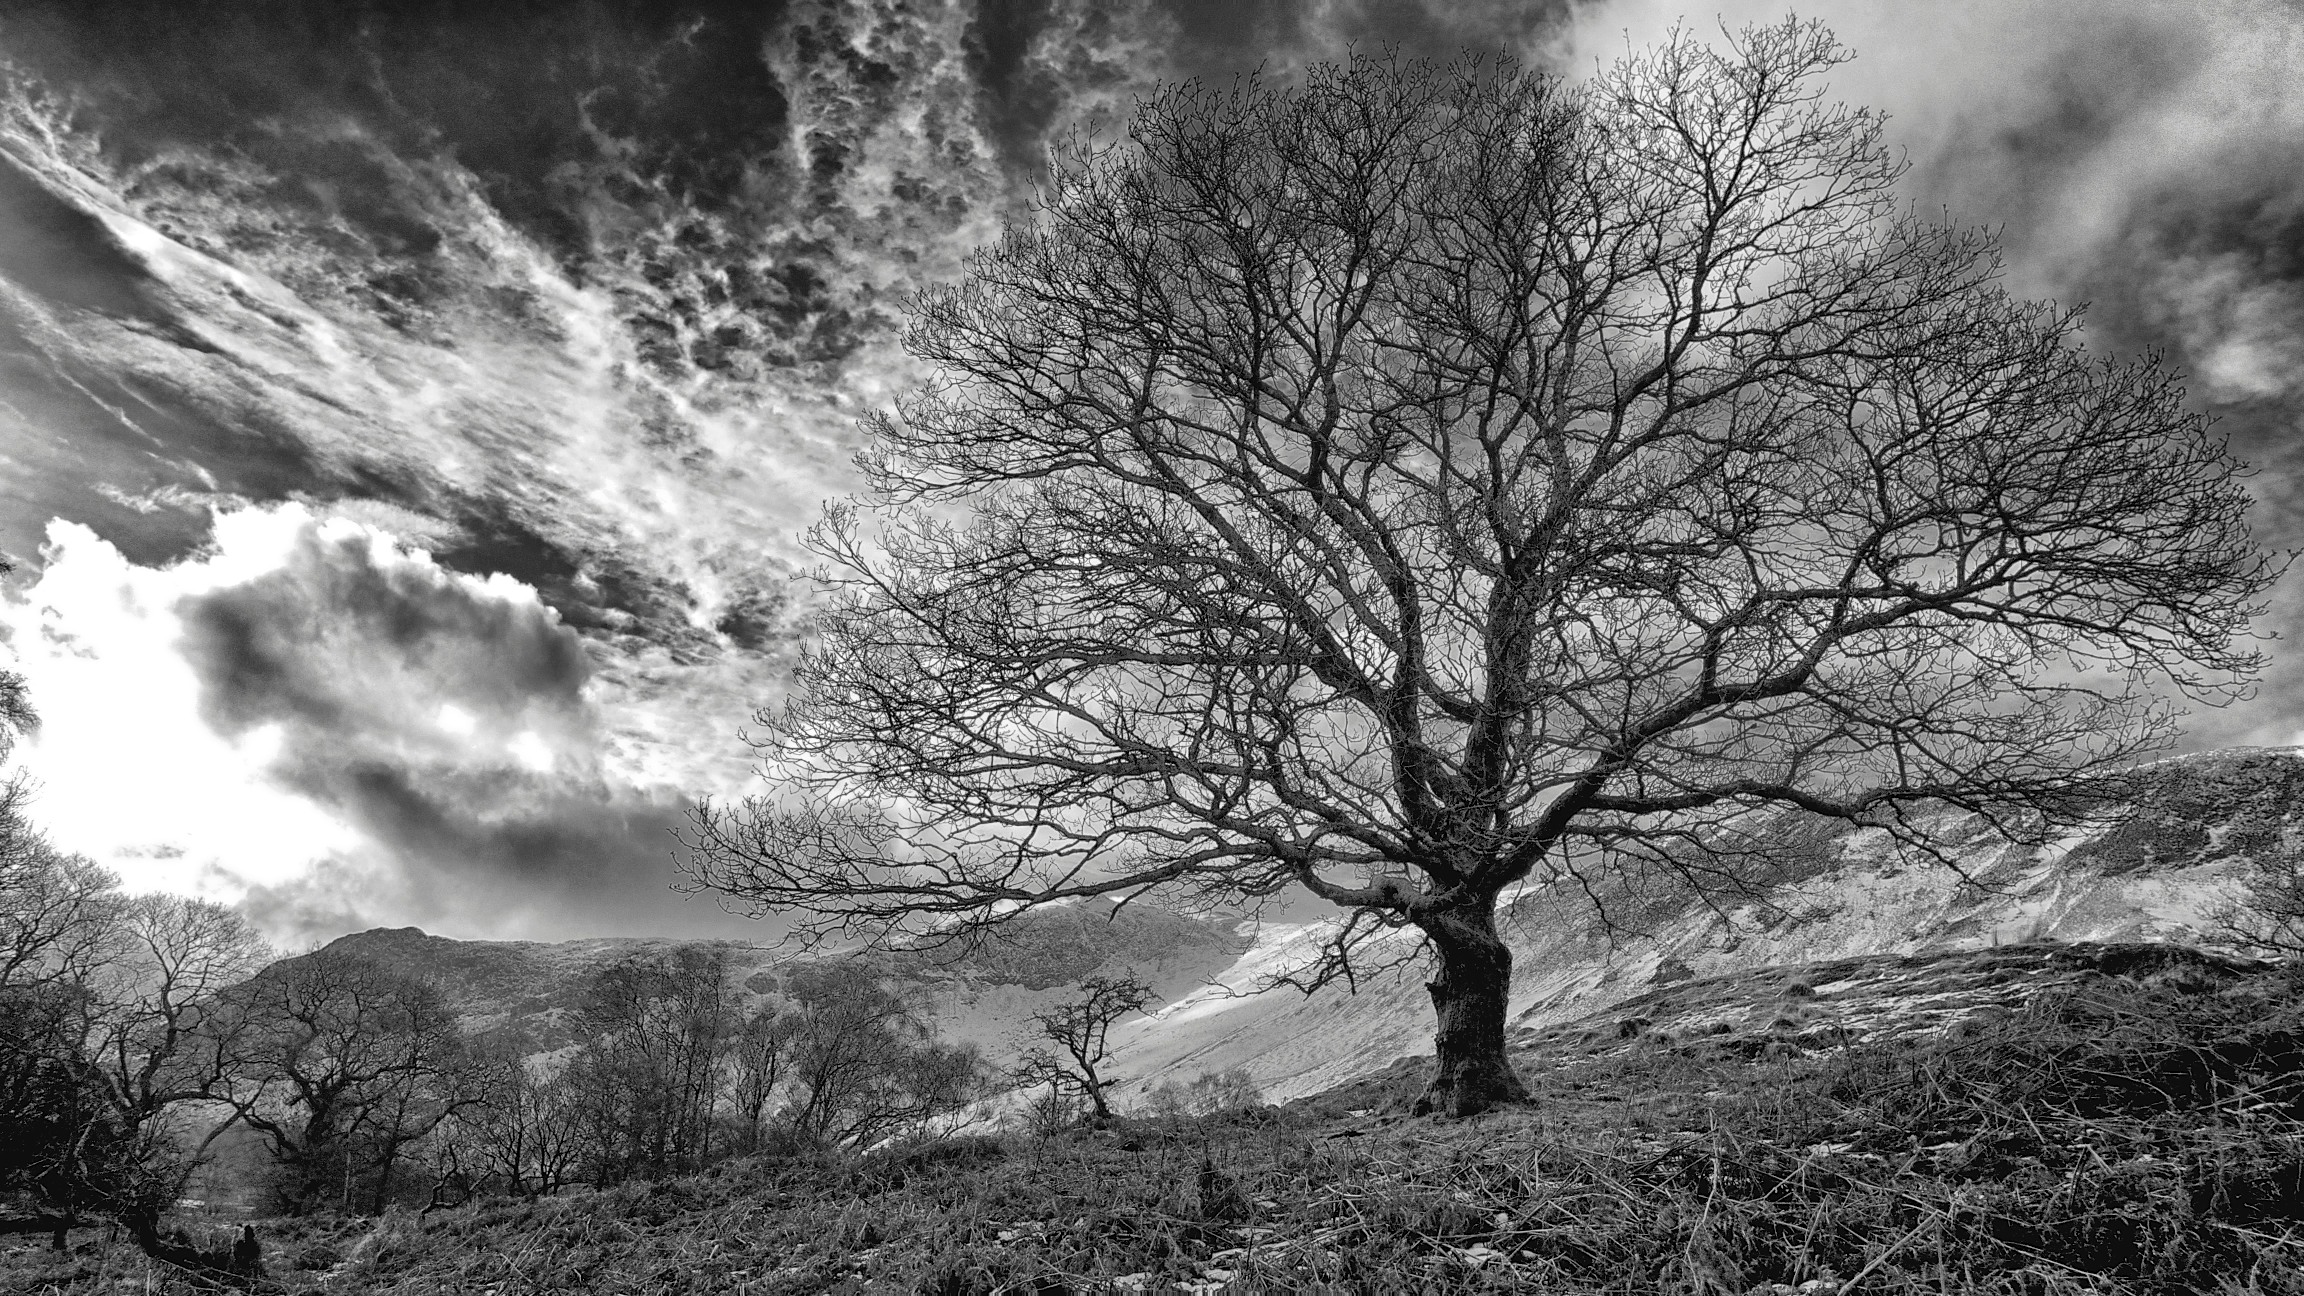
(2134, 1124)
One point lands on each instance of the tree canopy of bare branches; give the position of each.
(1422, 483)
(862, 1065)
(107, 1023)
(340, 1064)
(656, 1029)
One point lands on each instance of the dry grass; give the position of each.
(2123, 1135)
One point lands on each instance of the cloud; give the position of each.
(494, 855)
(450, 721)
(129, 770)
(1220, 36)
(338, 731)
(2147, 160)
(451, 368)
(360, 649)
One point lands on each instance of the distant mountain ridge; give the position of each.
(983, 991)
(2153, 869)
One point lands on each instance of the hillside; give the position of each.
(980, 992)
(2040, 1118)
(2154, 867)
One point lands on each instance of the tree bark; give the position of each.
(1469, 996)
(1093, 1086)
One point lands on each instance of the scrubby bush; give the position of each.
(1211, 1093)
(2269, 915)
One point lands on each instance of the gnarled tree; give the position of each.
(1420, 484)
(341, 1064)
(1081, 1029)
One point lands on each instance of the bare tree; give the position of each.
(2268, 916)
(17, 718)
(1423, 485)
(61, 1153)
(340, 1064)
(57, 913)
(1208, 1094)
(156, 1030)
(1080, 1029)
(759, 1060)
(104, 1023)
(861, 1064)
(63, 1148)
(524, 1134)
(655, 1033)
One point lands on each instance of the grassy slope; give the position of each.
(2112, 1119)
(2154, 866)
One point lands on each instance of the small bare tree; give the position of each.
(2268, 917)
(525, 1133)
(1209, 1093)
(861, 1064)
(156, 1030)
(656, 1030)
(1080, 1028)
(760, 1058)
(105, 1022)
(1419, 485)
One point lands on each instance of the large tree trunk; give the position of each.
(1469, 997)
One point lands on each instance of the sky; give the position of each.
(408, 410)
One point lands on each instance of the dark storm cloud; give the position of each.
(338, 639)
(1219, 37)
(590, 591)
(445, 719)
(2149, 163)
(62, 252)
(2012, 157)
(497, 847)
(1026, 90)
(527, 96)
(134, 455)
(71, 432)
(1019, 99)
(394, 166)
(2112, 186)
(88, 441)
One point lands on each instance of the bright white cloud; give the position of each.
(129, 772)
(317, 718)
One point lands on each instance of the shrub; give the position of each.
(1210, 1093)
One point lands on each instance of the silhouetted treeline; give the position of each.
(138, 1032)
(135, 1032)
